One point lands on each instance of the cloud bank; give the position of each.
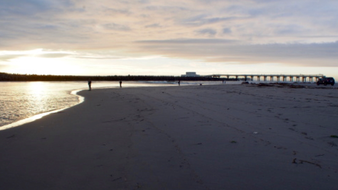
(249, 31)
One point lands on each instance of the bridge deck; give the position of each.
(279, 77)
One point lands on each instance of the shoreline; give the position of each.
(259, 83)
(308, 85)
(188, 137)
(41, 115)
(81, 99)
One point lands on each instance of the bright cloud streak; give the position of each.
(169, 37)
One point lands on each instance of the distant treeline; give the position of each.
(23, 77)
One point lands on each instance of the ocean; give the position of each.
(22, 102)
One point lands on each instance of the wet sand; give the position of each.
(188, 137)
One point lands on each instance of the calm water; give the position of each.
(21, 100)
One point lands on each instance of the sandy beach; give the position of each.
(187, 137)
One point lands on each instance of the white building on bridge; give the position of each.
(190, 74)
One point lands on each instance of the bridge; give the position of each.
(265, 77)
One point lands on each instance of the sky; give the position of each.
(161, 37)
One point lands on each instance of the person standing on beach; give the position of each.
(179, 83)
(90, 85)
(120, 84)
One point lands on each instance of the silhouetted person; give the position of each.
(90, 85)
(179, 83)
(120, 84)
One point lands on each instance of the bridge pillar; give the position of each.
(265, 78)
(258, 78)
(278, 78)
(271, 78)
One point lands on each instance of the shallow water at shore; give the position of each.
(22, 100)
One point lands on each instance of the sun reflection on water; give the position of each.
(36, 88)
(38, 97)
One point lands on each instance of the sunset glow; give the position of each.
(168, 38)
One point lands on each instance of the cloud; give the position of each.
(81, 23)
(31, 8)
(208, 31)
(55, 55)
(248, 31)
(182, 41)
(235, 51)
(113, 26)
(6, 58)
(9, 55)
(202, 20)
(116, 12)
(226, 31)
(153, 25)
